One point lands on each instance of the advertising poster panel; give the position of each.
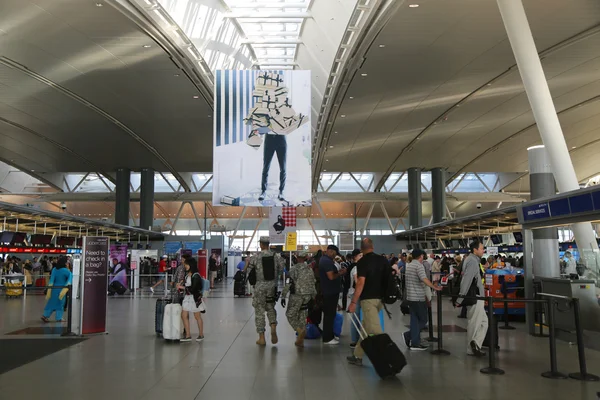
(282, 220)
(94, 288)
(118, 263)
(262, 138)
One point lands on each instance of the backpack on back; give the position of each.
(391, 287)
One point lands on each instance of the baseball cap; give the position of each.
(355, 252)
(333, 247)
(417, 253)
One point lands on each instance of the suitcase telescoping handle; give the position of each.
(355, 319)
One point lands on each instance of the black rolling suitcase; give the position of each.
(159, 314)
(384, 354)
(239, 284)
(117, 287)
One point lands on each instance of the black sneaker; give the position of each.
(280, 197)
(353, 345)
(419, 348)
(262, 196)
(354, 360)
(186, 339)
(476, 349)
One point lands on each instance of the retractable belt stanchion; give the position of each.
(492, 369)
(431, 338)
(440, 345)
(506, 325)
(553, 373)
(69, 331)
(582, 375)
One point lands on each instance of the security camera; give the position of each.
(63, 206)
(478, 206)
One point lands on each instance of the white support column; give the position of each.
(540, 99)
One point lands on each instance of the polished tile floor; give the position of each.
(131, 363)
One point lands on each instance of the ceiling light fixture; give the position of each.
(196, 97)
(381, 46)
(351, 97)
(99, 4)
(413, 5)
(331, 147)
(574, 147)
(343, 116)
(146, 46)
(363, 74)
(176, 75)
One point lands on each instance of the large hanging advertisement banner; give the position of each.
(282, 220)
(262, 138)
(94, 288)
(118, 263)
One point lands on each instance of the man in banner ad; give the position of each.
(268, 109)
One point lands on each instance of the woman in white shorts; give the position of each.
(192, 302)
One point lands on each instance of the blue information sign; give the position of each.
(581, 203)
(194, 246)
(172, 247)
(536, 211)
(596, 199)
(560, 207)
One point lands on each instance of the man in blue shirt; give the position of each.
(331, 286)
(242, 264)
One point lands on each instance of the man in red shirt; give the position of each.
(162, 272)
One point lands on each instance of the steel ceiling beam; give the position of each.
(347, 197)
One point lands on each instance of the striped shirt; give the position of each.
(415, 288)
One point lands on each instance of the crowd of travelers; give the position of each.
(317, 285)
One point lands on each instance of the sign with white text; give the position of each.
(95, 284)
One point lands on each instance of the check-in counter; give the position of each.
(585, 291)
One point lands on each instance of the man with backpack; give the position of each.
(372, 272)
(264, 270)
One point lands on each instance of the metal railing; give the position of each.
(551, 301)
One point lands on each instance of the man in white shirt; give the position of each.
(571, 263)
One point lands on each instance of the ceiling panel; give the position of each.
(428, 58)
(103, 57)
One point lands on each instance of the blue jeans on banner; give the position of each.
(354, 336)
(418, 321)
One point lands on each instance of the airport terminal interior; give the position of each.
(261, 168)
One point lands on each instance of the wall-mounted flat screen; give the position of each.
(518, 237)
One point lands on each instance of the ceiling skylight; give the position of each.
(272, 28)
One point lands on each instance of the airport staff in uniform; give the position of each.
(266, 267)
(302, 288)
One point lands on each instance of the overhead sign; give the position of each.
(94, 289)
(580, 202)
(291, 241)
(536, 211)
(491, 251)
(37, 250)
(346, 241)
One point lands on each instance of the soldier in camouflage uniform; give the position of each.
(301, 285)
(267, 264)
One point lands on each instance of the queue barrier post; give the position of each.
(491, 369)
(440, 344)
(431, 338)
(69, 331)
(582, 375)
(506, 325)
(553, 373)
(539, 316)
